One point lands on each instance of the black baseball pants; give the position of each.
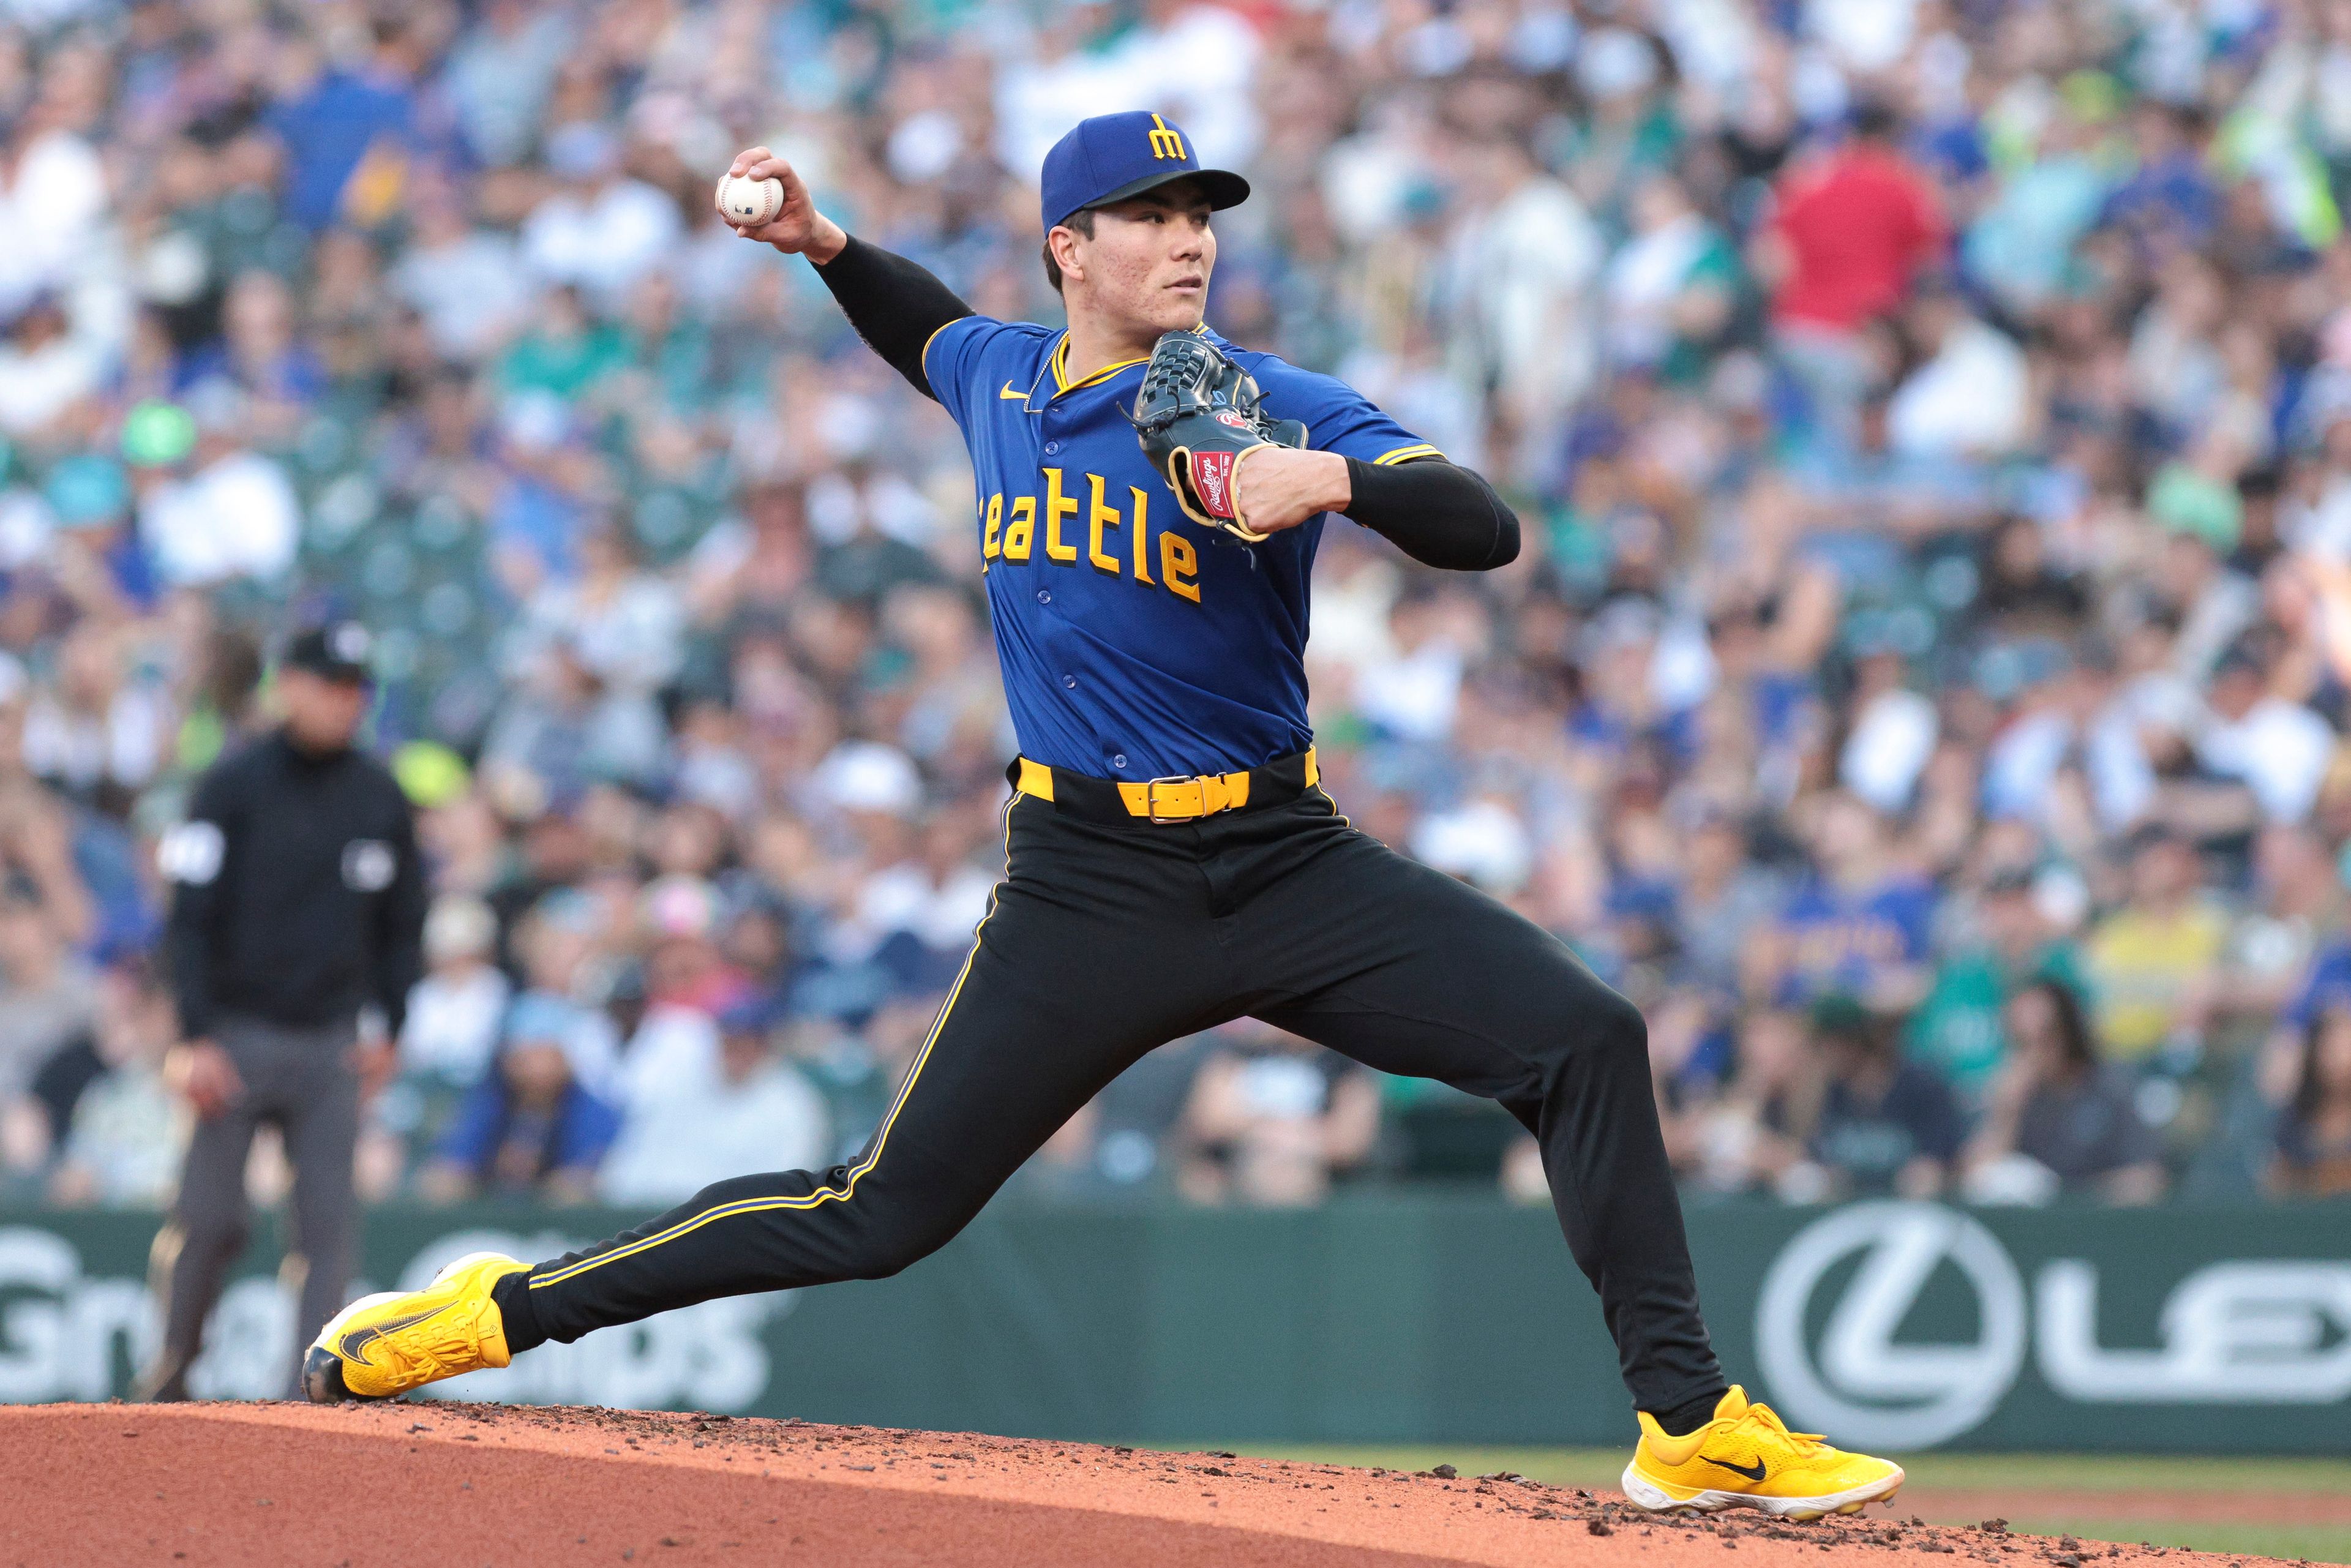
(1107, 938)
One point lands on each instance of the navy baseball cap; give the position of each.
(1114, 156)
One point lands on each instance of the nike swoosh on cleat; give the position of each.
(352, 1347)
(1754, 1472)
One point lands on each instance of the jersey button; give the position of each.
(1071, 682)
(1052, 447)
(1043, 597)
(1118, 760)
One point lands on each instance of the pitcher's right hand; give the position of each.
(797, 230)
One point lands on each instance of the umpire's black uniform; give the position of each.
(297, 900)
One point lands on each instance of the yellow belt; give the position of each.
(1175, 799)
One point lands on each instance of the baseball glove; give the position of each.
(1197, 416)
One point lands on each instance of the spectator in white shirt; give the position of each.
(456, 1015)
(1271, 1118)
(602, 231)
(729, 1106)
(2277, 746)
(207, 510)
(626, 624)
(53, 197)
(1968, 400)
(499, 76)
(1521, 281)
(46, 369)
(1893, 734)
(466, 281)
(455, 1010)
(123, 1148)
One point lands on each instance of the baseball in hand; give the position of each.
(749, 203)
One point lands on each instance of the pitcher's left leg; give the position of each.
(1408, 970)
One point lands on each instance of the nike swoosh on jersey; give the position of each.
(1753, 1472)
(1009, 395)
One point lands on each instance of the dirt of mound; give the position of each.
(261, 1486)
(2287, 1510)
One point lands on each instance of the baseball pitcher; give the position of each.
(1149, 500)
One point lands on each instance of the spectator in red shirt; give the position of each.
(1850, 236)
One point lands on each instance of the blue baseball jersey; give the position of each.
(1135, 643)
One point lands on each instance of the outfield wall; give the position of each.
(1374, 1320)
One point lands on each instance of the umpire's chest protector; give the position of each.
(1135, 643)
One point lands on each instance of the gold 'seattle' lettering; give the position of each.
(1141, 532)
(1179, 566)
(1009, 532)
(1099, 516)
(1058, 505)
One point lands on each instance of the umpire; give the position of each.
(297, 901)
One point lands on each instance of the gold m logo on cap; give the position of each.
(1164, 143)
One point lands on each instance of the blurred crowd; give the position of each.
(1923, 690)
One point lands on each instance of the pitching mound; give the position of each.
(258, 1486)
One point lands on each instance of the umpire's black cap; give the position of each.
(337, 651)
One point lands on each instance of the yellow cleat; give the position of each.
(1747, 1457)
(394, 1341)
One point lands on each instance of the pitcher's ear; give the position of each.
(1061, 255)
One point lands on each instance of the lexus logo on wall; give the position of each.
(1857, 1381)
(2249, 1332)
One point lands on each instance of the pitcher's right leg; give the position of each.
(1098, 949)
(1012, 1056)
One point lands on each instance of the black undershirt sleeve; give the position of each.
(1438, 513)
(895, 303)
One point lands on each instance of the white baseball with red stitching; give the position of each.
(748, 202)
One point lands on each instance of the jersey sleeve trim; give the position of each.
(1406, 454)
(923, 359)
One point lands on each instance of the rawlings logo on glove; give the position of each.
(1197, 416)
